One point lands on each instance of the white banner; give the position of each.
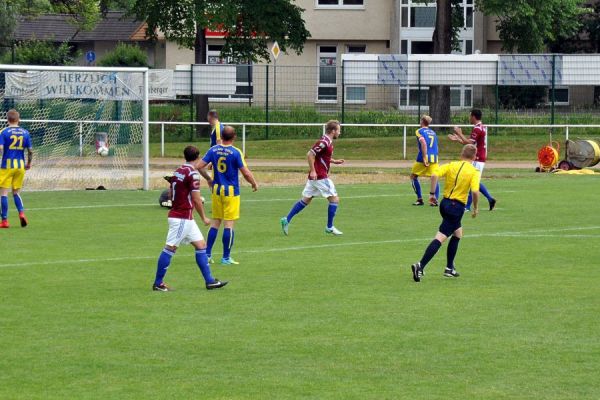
(88, 85)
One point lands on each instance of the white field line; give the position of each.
(523, 234)
(81, 207)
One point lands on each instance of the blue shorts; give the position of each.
(452, 212)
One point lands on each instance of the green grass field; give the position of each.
(502, 147)
(306, 316)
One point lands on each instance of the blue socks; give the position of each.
(18, 203)
(4, 202)
(210, 240)
(417, 187)
(437, 191)
(299, 206)
(331, 210)
(452, 249)
(433, 248)
(228, 237)
(202, 261)
(485, 192)
(164, 260)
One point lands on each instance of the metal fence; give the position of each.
(511, 89)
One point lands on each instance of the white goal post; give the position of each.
(58, 102)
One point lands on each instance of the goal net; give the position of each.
(88, 125)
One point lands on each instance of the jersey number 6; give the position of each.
(221, 165)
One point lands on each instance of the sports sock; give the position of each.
(228, 237)
(299, 206)
(331, 210)
(210, 240)
(437, 191)
(164, 260)
(451, 252)
(469, 201)
(18, 203)
(417, 188)
(4, 202)
(433, 248)
(485, 192)
(202, 261)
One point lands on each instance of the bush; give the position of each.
(125, 55)
(41, 52)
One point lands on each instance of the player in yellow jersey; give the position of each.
(427, 159)
(228, 161)
(14, 141)
(461, 177)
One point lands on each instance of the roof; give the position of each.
(112, 27)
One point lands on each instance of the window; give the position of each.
(422, 15)
(244, 87)
(460, 97)
(356, 94)
(417, 47)
(327, 88)
(356, 48)
(561, 96)
(340, 3)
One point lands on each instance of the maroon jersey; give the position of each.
(479, 135)
(185, 180)
(323, 150)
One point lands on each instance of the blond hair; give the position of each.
(426, 119)
(332, 125)
(469, 151)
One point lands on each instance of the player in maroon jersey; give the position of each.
(319, 157)
(185, 198)
(479, 139)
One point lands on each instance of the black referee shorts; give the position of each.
(452, 212)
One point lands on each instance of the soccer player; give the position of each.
(319, 157)
(228, 161)
(427, 160)
(14, 140)
(216, 128)
(461, 176)
(185, 197)
(478, 138)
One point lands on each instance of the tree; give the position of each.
(247, 25)
(41, 52)
(124, 55)
(526, 26)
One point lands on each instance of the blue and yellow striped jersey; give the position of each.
(226, 161)
(15, 140)
(215, 134)
(432, 145)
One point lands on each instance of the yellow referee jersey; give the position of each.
(461, 177)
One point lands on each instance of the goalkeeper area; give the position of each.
(307, 316)
(71, 112)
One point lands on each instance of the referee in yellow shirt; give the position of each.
(461, 176)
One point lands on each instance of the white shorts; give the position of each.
(321, 187)
(183, 231)
(479, 166)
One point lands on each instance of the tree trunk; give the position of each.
(439, 96)
(201, 100)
